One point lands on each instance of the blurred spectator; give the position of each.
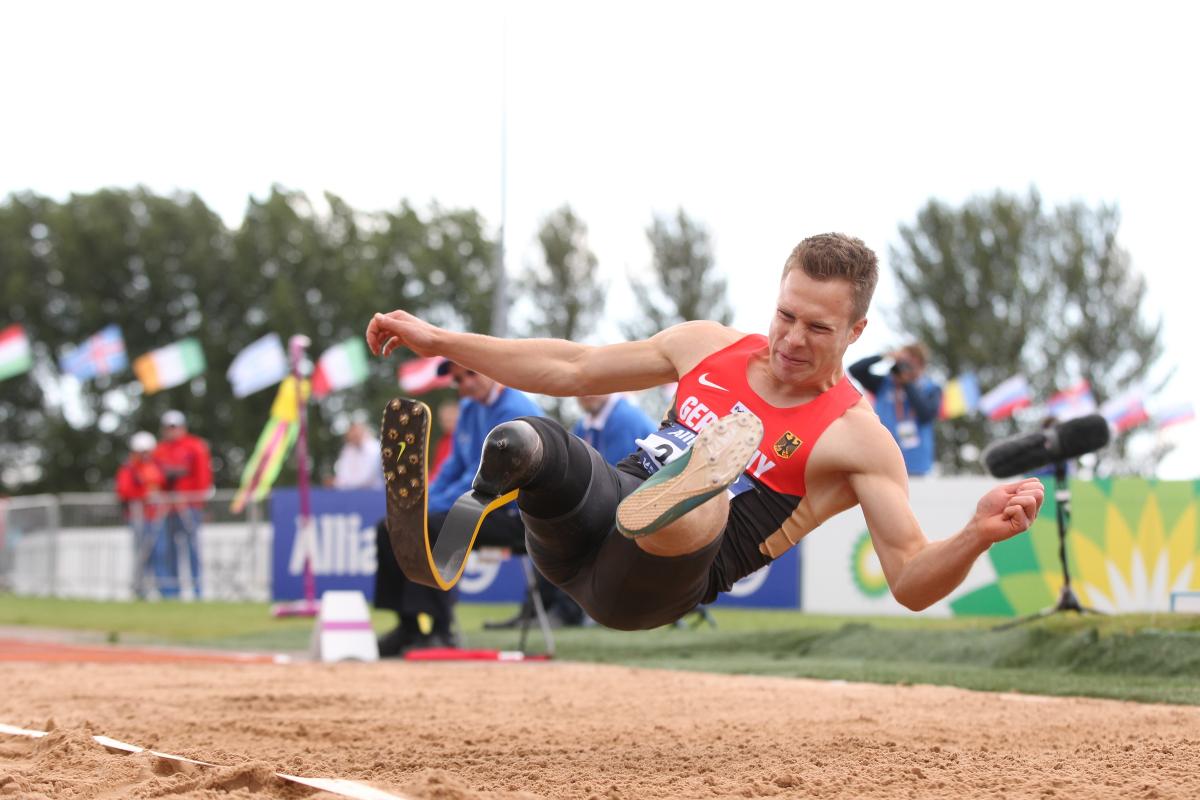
(611, 424)
(187, 466)
(906, 400)
(139, 480)
(447, 414)
(359, 465)
(484, 405)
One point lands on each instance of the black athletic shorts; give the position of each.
(616, 582)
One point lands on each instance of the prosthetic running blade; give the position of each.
(405, 451)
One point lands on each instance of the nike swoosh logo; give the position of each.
(704, 381)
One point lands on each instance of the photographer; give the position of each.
(906, 400)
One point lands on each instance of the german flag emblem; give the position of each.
(787, 444)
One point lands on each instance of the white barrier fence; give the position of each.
(80, 546)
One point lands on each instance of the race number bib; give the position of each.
(667, 444)
(664, 446)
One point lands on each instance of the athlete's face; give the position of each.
(812, 327)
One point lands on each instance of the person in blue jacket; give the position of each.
(907, 401)
(484, 404)
(611, 424)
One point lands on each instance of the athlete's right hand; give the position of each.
(386, 332)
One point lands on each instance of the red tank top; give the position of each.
(772, 487)
(718, 386)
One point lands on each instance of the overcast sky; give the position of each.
(766, 122)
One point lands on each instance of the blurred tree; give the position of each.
(124, 257)
(1000, 287)
(684, 284)
(564, 289)
(163, 268)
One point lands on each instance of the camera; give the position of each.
(902, 369)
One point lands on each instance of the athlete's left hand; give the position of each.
(1009, 509)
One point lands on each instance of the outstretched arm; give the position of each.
(920, 572)
(555, 366)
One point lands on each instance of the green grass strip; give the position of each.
(1143, 657)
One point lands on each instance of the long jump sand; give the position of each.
(559, 730)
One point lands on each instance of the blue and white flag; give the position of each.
(102, 354)
(261, 364)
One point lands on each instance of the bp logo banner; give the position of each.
(1131, 544)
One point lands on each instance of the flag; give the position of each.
(169, 366)
(960, 396)
(419, 375)
(1127, 410)
(274, 443)
(263, 363)
(1006, 398)
(1174, 414)
(102, 354)
(340, 366)
(15, 354)
(1076, 401)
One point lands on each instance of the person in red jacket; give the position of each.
(139, 482)
(187, 465)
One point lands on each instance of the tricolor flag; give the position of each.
(102, 354)
(1071, 403)
(340, 366)
(15, 355)
(1127, 410)
(420, 375)
(1006, 398)
(169, 366)
(1174, 414)
(273, 445)
(261, 364)
(960, 396)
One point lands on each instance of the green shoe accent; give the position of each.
(715, 460)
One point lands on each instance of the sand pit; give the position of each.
(558, 730)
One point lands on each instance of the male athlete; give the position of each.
(766, 439)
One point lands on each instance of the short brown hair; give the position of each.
(836, 256)
(917, 350)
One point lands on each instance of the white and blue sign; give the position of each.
(777, 585)
(341, 544)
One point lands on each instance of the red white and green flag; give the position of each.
(170, 366)
(16, 356)
(340, 367)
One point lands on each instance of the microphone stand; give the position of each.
(1067, 600)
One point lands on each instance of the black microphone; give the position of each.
(1029, 451)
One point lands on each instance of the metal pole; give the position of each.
(297, 345)
(53, 519)
(500, 296)
(252, 581)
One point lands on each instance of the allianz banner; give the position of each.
(341, 545)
